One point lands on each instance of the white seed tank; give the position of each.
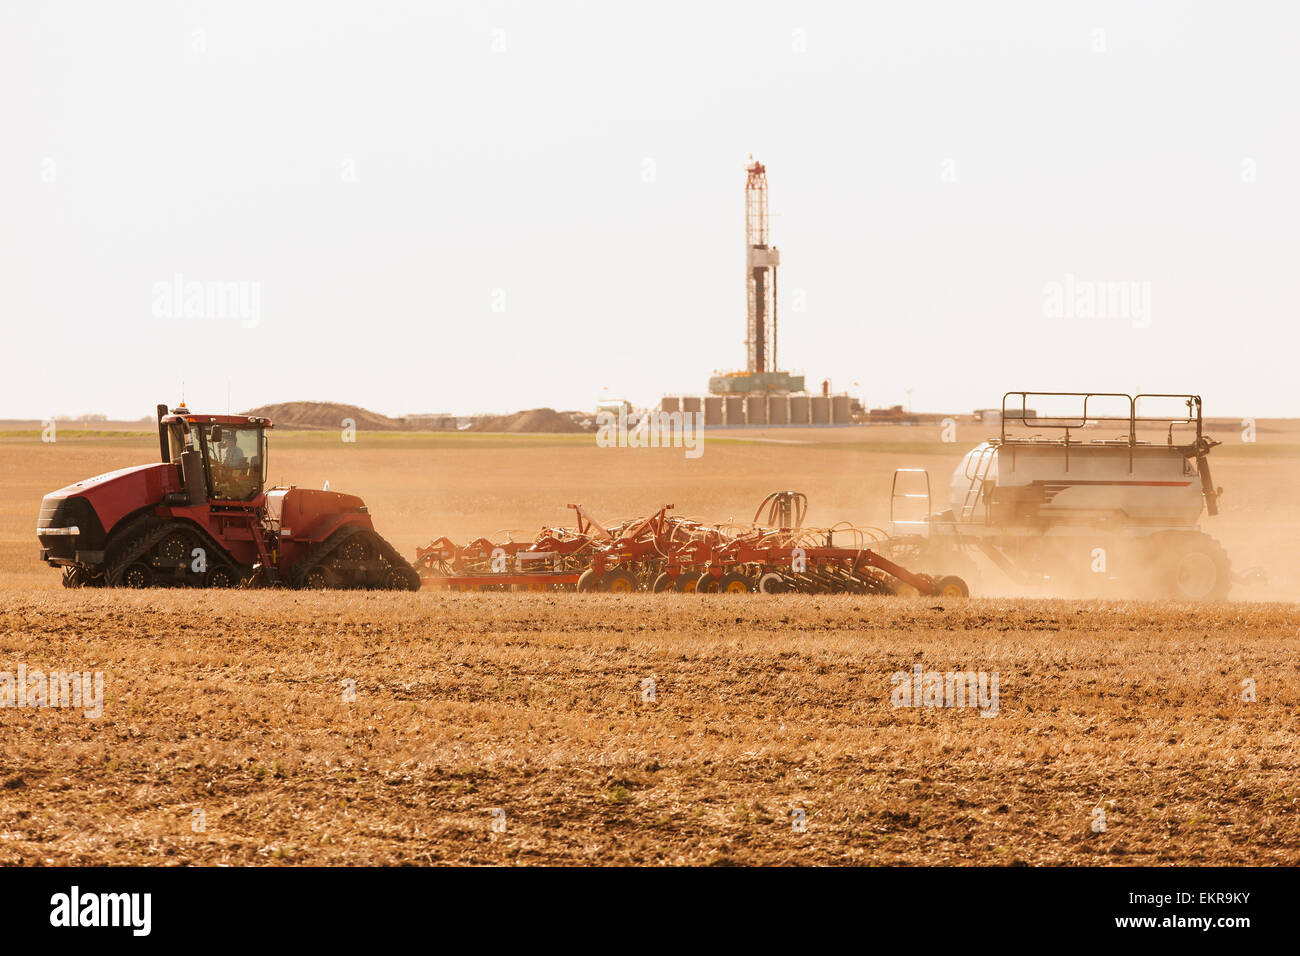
(1051, 484)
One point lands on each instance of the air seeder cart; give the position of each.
(1104, 486)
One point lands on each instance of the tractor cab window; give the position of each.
(234, 461)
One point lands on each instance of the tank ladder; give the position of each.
(981, 470)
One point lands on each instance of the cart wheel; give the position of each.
(706, 583)
(588, 580)
(685, 583)
(619, 581)
(663, 583)
(772, 583)
(74, 577)
(735, 583)
(951, 586)
(1194, 567)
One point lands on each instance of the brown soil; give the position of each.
(233, 705)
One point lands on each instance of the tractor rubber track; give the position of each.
(151, 531)
(413, 582)
(134, 549)
(322, 551)
(317, 554)
(222, 556)
(129, 530)
(215, 554)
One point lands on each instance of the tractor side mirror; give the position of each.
(216, 434)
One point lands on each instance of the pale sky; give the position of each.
(488, 207)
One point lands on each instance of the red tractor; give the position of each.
(202, 518)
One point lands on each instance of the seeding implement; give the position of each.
(202, 518)
(661, 552)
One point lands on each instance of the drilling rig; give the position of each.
(761, 259)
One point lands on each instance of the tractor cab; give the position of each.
(222, 458)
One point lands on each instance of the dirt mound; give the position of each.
(533, 420)
(321, 415)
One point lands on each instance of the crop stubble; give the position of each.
(233, 704)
